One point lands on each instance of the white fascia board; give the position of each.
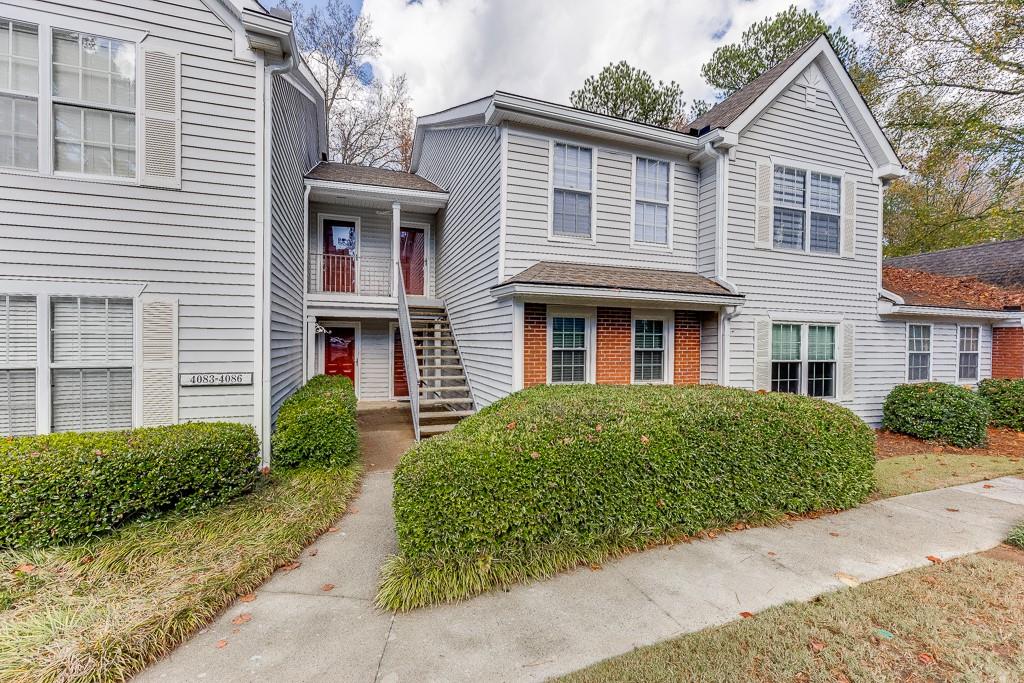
(466, 114)
(892, 296)
(1016, 321)
(886, 308)
(394, 194)
(526, 289)
(231, 17)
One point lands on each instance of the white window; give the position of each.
(569, 360)
(649, 350)
(93, 104)
(572, 183)
(969, 351)
(807, 210)
(919, 352)
(804, 359)
(91, 363)
(651, 201)
(17, 365)
(19, 95)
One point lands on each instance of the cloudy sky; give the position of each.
(457, 50)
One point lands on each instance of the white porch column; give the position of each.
(396, 228)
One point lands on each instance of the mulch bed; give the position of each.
(1001, 442)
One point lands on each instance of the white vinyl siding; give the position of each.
(91, 360)
(969, 353)
(18, 347)
(919, 353)
(572, 191)
(651, 206)
(19, 90)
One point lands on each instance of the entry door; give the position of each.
(339, 256)
(340, 352)
(413, 253)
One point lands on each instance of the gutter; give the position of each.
(887, 308)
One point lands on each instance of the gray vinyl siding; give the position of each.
(709, 349)
(375, 361)
(707, 212)
(467, 163)
(529, 213)
(295, 148)
(196, 243)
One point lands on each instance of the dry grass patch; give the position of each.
(905, 474)
(101, 611)
(956, 621)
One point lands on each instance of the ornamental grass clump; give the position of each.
(936, 411)
(557, 476)
(1005, 398)
(317, 425)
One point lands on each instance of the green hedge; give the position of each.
(936, 411)
(1005, 398)
(553, 477)
(63, 487)
(317, 425)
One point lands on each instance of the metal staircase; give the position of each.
(443, 389)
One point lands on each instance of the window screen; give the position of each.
(571, 213)
(568, 350)
(648, 350)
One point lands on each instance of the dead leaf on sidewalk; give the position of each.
(331, 529)
(327, 587)
(833, 534)
(987, 486)
(851, 581)
(952, 509)
(243, 618)
(933, 559)
(312, 552)
(291, 565)
(221, 644)
(248, 597)
(746, 615)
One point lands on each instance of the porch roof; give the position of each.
(333, 182)
(333, 171)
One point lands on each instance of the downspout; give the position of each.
(305, 283)
(722, 261)
(264, 137)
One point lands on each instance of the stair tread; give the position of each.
(445, 401)
(430, 430)
(439, 414)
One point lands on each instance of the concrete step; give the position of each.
(434, 430)
(446, 401)
(444, 414)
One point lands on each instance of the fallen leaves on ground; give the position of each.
(933, 559)
(221, 644)
(25, 568)
(327, 587)
(313, 552)
(851, 581)
(248, 597)
(291, 565)
(817, 645)
(243, 618)
(746, 615)
(925, 658)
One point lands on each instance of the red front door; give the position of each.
(340, 352)
(339, 256)
(412, 252)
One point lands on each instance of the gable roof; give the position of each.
(618, 278)
(723, 114)
(333, 171)
(1000, 263)
(918, 288)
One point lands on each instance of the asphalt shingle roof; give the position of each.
(1001, 263)
(618, 277)
(918, 288)
(367, 175)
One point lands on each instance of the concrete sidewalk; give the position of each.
(299, 632)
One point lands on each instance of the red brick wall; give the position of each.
(1008, 352)
(401, 385)
(535, 344)
(686, 347)
(614, 345)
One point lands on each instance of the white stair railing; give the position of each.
(412, 369)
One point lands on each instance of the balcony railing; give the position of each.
(343, 274)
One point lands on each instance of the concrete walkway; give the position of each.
(298, 632)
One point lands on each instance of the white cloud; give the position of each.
(457, 50)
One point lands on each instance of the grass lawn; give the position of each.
(100, 611)
(904, 474)
(956, 621)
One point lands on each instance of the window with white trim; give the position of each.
(19, 95)
(806, 210)
(18, 344)
(568, 350)
(969, 347)
(572, 182)
(804, 359)
(649, 350)
(651, 201)
(919, 353)
(91, 354)
(93, 104)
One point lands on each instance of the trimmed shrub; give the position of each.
(936, 411)
(556, 476)
(63, 487)
(1005, 398)
(317, 425)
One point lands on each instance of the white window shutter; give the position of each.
(849, 217)
(849, 343)
(18, 343)
(161, 118)
(763, 354)
(763, 237)
(159, 361)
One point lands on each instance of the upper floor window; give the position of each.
(93, 104)
(919, 352)
(19, 95)
(804, 359)
(807, 210)
(651, 204)
(969, 352)
(572, 213)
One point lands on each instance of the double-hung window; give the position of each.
(804, 359)
(651, 202)
(568, 350)
(573, 198)
(919, 352)
(19, 95)
(969, 340)
(93, 104)
(91, 363)
(807, 210)
(18, 346)
(649, 350)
